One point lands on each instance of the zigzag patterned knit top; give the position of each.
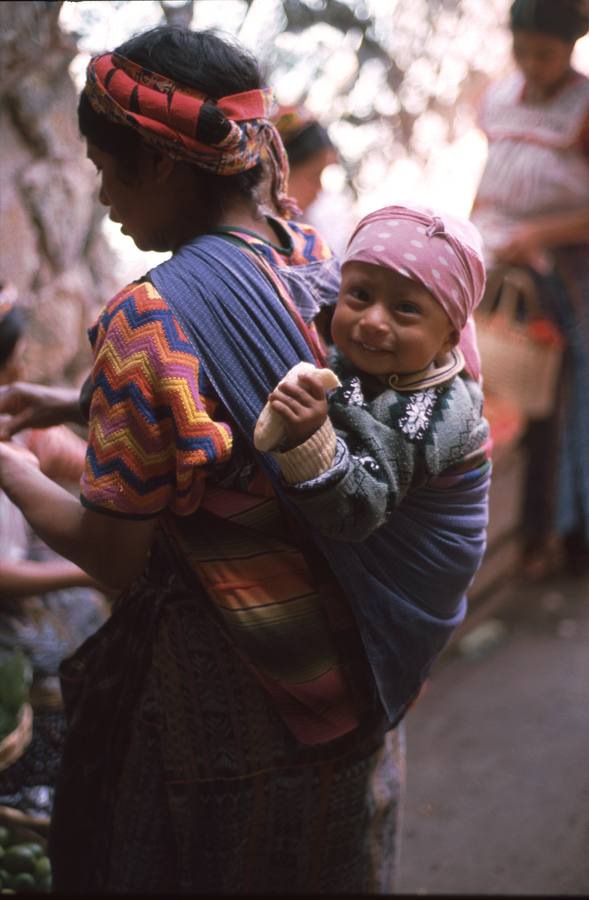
(156, 431)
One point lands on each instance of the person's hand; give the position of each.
(303, 407)
(13, 454)
(24, 405)
(524, 247)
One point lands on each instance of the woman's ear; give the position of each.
(157, 166)
(164, 165)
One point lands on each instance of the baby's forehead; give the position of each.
(380, 272)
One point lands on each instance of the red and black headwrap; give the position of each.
(166, 115)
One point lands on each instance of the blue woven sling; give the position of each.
(406, 583)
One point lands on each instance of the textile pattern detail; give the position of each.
(202, 788)
(166, 115)
(154, 434)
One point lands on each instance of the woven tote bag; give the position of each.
(521, 351)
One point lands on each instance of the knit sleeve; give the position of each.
(374, 465)
(386, 448)
(152, 433)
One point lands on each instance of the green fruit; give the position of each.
(43, 867)
(19, 858)
(15, 680)
(5, 836)
(7, 891)
(35, 848)
(23, 883)
(4, 876)
(44, 886)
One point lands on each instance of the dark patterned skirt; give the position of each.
(28, 784)
(178, 776)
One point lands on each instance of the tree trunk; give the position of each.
(51, 245)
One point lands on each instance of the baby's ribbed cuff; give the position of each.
(310, 459)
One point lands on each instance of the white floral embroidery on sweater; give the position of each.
(352, 393)
(367, 462)
(418, 413)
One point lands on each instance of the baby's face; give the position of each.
(388, 324)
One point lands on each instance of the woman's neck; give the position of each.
(247, 215)
(194, 207)
(534, 94)
(240, 215)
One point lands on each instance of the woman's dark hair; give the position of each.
(564, 19)
(12, 327)
(306, 143)
(202, 60)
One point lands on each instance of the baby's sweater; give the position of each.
(378, 446)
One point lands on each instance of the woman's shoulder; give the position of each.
(507, 89)
(136, 303)
(141, 294)
(579, 82)
(299, 243)
(308, 244)
(295, 243)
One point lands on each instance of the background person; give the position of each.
(47, 607)
(223, 734)
(532, 208)
(310, 151)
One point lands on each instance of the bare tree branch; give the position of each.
(178, 15)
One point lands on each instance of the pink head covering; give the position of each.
(443, 252)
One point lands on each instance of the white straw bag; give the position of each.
(521, 357)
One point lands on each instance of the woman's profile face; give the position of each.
(544, 60)
(131, 199)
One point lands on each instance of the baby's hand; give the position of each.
(303, 407)
(279, 414)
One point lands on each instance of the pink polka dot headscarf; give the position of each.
(441, 251)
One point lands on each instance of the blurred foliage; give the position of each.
(389, 78)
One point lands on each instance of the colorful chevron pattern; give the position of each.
(302, 244)
(153, 435)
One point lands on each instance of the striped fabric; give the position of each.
(179, 777)
(302, 245)
(160, 442)
(406, 596)
(166, 114)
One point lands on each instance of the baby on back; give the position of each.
(409, 405)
